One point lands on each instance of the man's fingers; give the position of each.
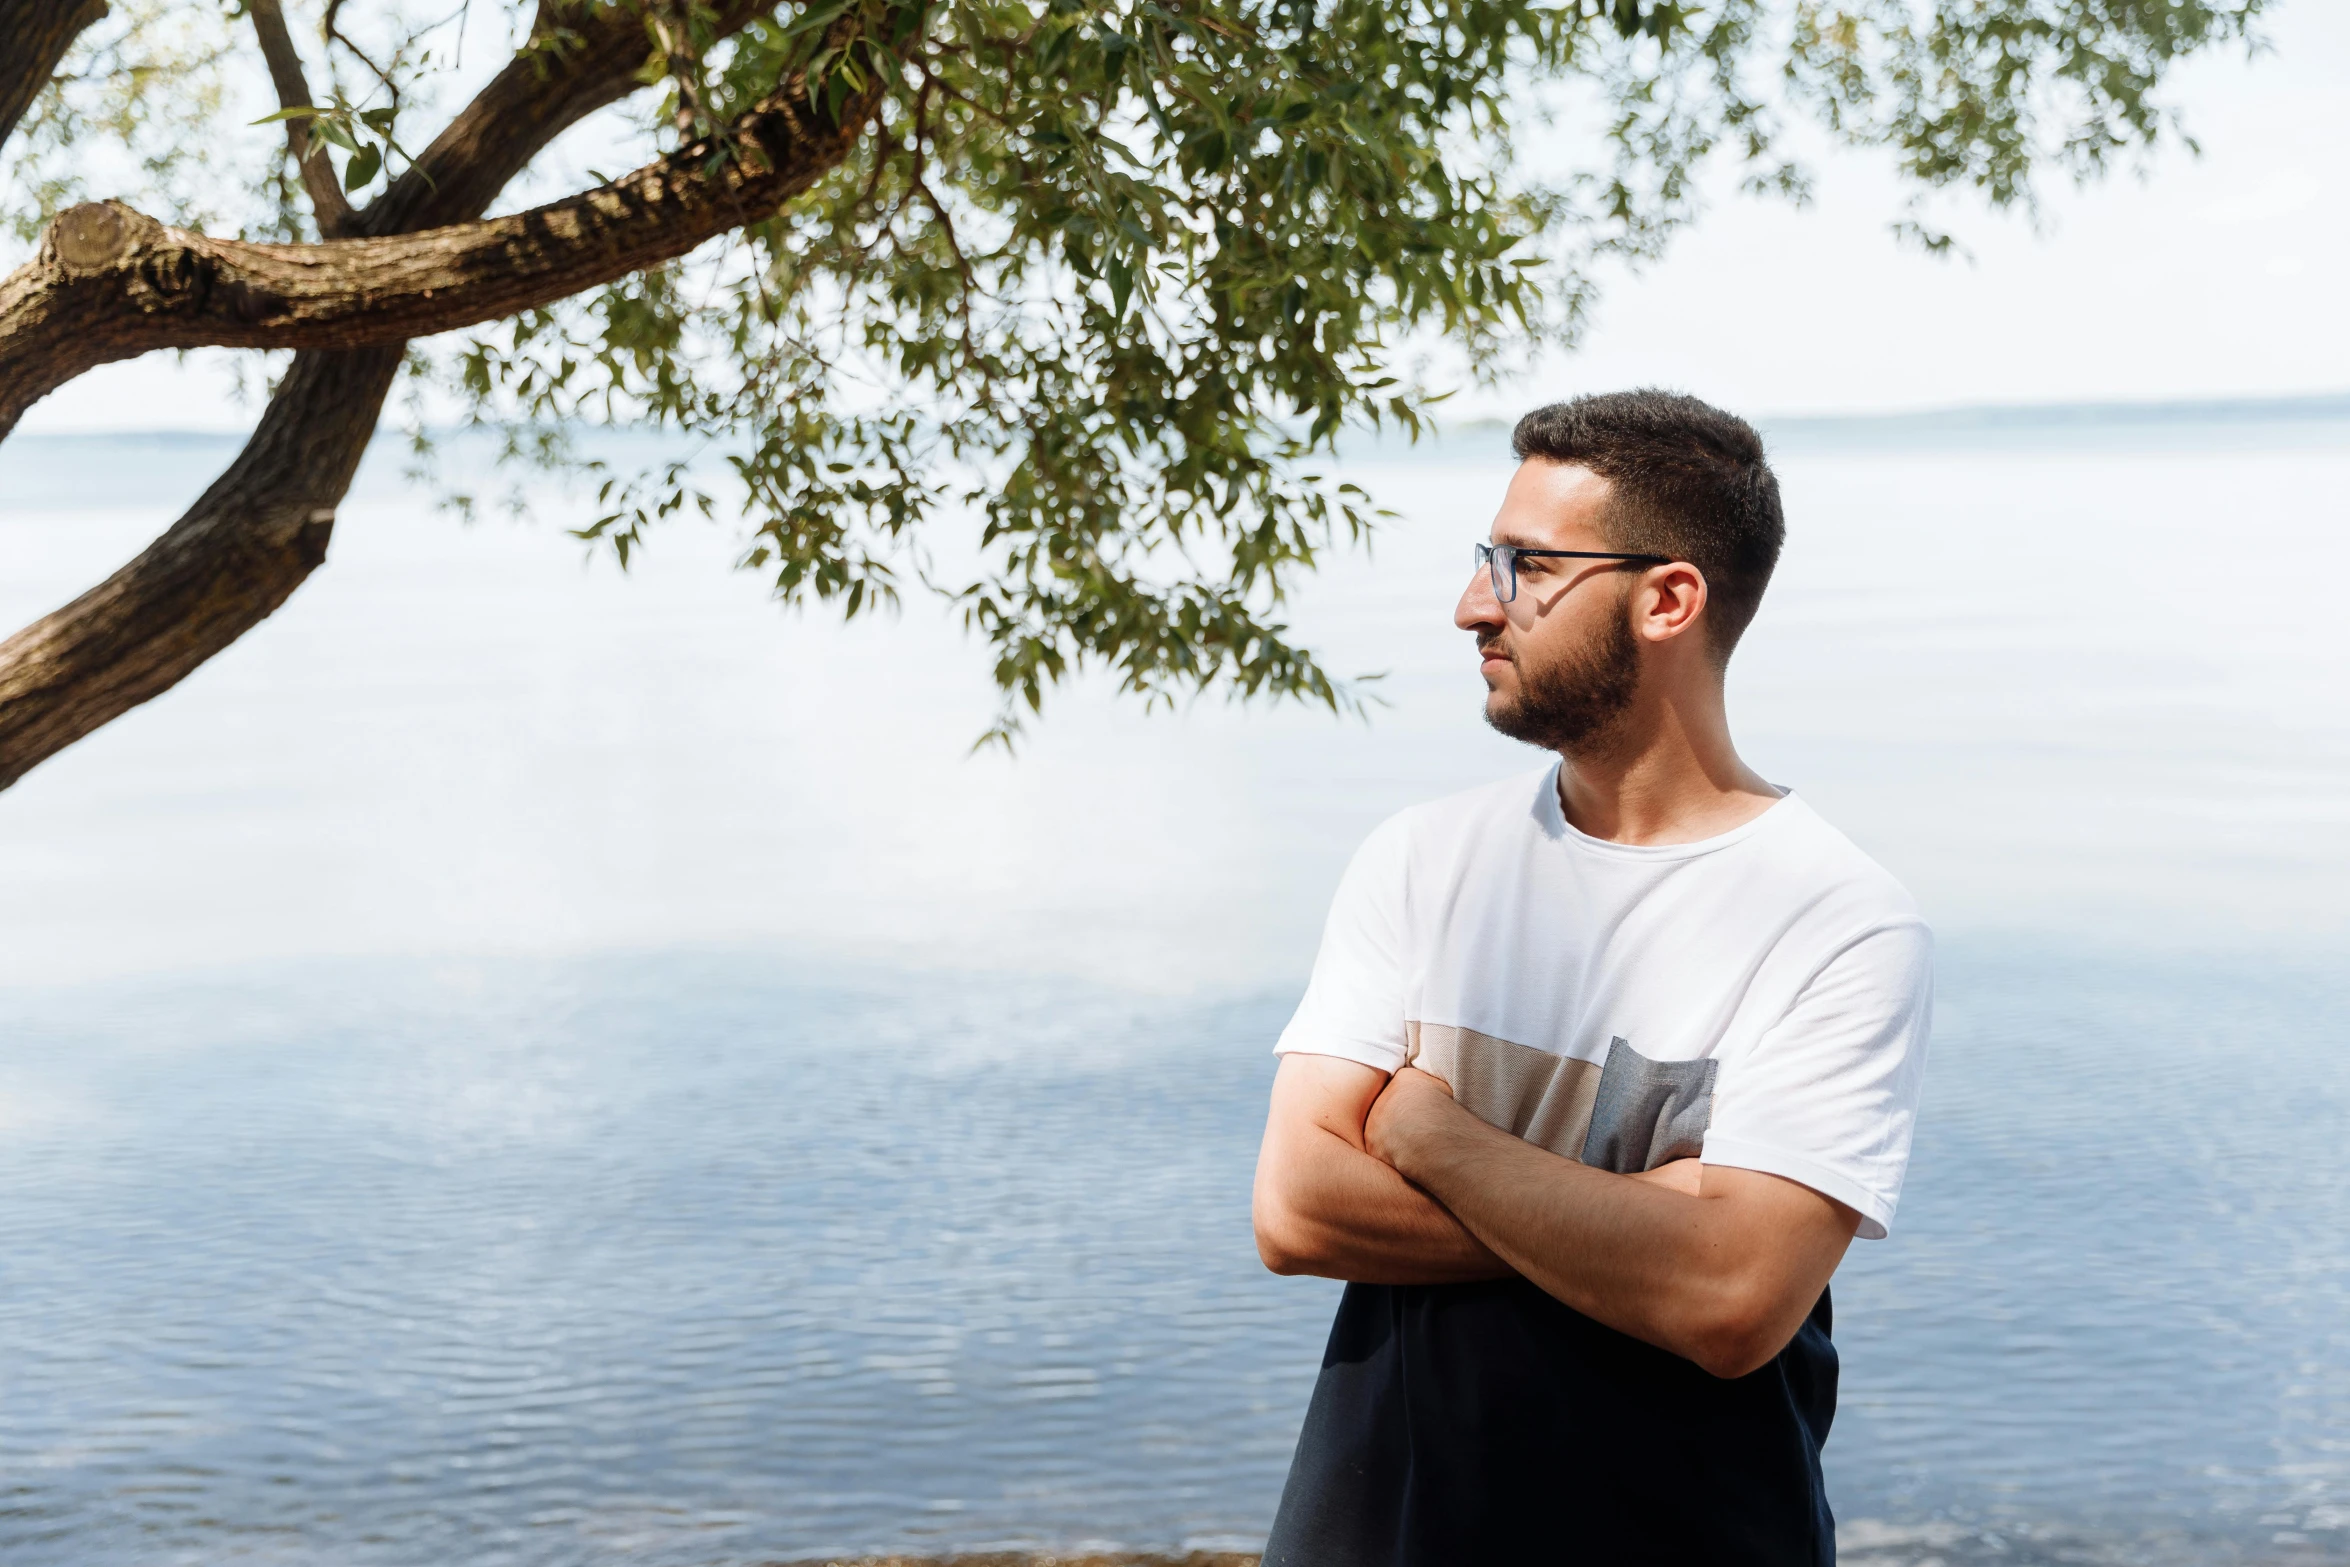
(1412, 1101)
(1394, 1101)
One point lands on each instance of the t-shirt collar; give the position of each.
(1553, 817)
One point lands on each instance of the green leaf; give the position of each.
(362, 166)
(1112, 282)
(815, 19)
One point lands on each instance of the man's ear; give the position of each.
(1669, 602)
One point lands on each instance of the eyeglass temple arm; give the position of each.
(1519, 549)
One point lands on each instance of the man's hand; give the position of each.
(1413, 1103)
(1325, 1206)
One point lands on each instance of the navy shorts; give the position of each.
(1462, 1424)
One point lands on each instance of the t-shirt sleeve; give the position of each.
(1829, 1095)
(1354, 1004)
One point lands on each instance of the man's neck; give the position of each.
(1667, 774)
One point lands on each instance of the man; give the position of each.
(1600, 1070)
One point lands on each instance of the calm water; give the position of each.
(688, 1261)
(513, 1065)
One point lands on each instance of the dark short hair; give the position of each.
(1688, 480)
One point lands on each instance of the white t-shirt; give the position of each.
(1761, 997)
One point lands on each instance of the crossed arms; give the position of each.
(1385, 1180)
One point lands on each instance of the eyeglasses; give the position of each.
(1501, 563)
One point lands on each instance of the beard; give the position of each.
(1572, 704)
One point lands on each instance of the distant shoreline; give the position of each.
(1997, 419)
(2307, 408)
(2019, 416)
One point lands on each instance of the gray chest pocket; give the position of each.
(1648, 1113)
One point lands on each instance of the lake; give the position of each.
(516, 1063)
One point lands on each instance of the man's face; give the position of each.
(1560, 662)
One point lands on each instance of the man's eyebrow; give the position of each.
(1516, 540)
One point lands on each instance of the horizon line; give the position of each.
(2276, 407)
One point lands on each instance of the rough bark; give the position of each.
(243, 548)
(110, 283)
(240, 550)
(34, 35)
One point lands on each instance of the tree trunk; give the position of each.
(34, 35)
(264, 526)
(240, 550)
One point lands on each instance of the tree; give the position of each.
(1083, 288)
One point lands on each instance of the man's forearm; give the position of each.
(1329, 1209)
(1616, 1249)
(1325, 1206)
(1723, 1277)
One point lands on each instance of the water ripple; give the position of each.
(533, 1266)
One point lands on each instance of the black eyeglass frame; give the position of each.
(1493, 556)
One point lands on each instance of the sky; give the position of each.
(2197, 277)
(2203, 277)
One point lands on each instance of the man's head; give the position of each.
(1644, 474)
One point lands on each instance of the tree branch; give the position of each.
(110, 283)
(240, 551)
(327, 203)
(596, 51)
(335, 35)
(253, 538)
(37, 34)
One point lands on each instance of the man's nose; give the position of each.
(1478, 607)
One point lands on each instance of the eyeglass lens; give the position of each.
(1501, 569)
